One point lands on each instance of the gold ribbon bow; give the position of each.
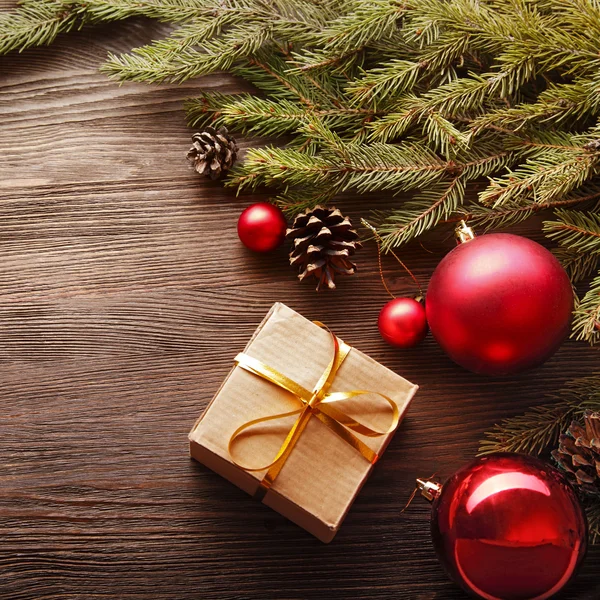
(317, 403)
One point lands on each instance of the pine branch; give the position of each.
(311, 89)
(444, 136)
(537, 430)
(532, 432)
(358, 167)
(246, 113)
(592, 510)
(293, 202)
(392, 95)
(398, 76)
(578, 266)
(546, 175)
(555, 106)
(167, 11)
(577, 231)
(363, 23)
(586, 322)
(158, 62)
(428, 208)
(512, 213)
(487, 156)
(36, 24)
(395, 78)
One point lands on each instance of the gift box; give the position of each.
(300, 421)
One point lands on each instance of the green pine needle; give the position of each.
(537, 430)
(432, 98)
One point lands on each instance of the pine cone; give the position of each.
(323, 243)
(578, 454)
(213, 152)
(592, 146)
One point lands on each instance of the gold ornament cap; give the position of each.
(429, 489)
(464, 233)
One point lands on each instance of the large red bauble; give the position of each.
(509, 527)
(261, 227)
(402, 322)
(499, 303)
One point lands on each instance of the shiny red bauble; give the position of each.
(402, 322)
(499, 303)
(509, 527)
(261, 227)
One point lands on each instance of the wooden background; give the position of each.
(124, 296)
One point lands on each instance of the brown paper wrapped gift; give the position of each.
(323, 472)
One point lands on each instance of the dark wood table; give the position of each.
(125, 294)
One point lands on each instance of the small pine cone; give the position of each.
(324, 241)
(592, 146)
(213, 152)
(578, 454)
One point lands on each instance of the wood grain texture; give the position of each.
(125, 295)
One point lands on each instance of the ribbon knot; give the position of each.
(317, 402)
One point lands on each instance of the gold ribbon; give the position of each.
(317, 403)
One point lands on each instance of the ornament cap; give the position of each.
(429, 489)
(464, 233)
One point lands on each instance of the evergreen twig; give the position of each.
(430, 97)
(537, 430)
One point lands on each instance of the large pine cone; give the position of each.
(213, 152)
(324, 241)
(578, 454)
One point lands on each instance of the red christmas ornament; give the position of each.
(507, 527)
(499, 303)
(402, 322)
(261, 227)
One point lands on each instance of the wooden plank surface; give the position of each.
(125, 295)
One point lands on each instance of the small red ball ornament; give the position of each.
(507, 527)
(499, 303)
(402, 322)
(261, 227)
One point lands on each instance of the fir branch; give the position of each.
(363, 168)
(578, 266)
(592, 510)
(545, 176)
(484, 158)
(512, 213)
(531, 433)
(586, 321)
(364, 23)
(167, 11)
(537, 430)
(504, 90)
(283, 168)
(246, 113)
(36, 24)
(156, 63)
(395, 78)
(293, 202)
(408, 110)
(318, 60)
(444, 136)
(556, 105)
(388, 167)
(575, 230)
(341, 43)
(427, 209)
